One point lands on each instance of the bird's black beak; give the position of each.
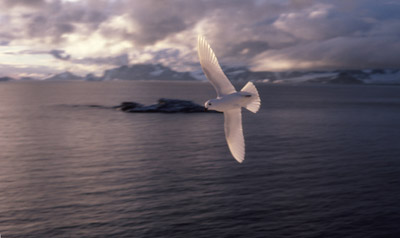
(205, 109)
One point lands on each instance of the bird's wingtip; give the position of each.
(240, 161)
(238, 158)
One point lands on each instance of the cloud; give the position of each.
(112, 60)
(248, 49)
(154, 23)
(4, 42)
(328, 36)
(336, 53)
(60, 54)
(320, 22)
(16, 71)
(6, 38)
(28, 3)
(264, 34)
(53, 21)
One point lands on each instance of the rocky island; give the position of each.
(163, 105)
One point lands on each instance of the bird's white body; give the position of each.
(228, 100)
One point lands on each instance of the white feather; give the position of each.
(234, 133)
(212, 69)
(255, 102)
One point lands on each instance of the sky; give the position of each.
(43, 37)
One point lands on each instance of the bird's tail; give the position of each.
(255, 102)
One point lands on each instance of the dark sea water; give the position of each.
(321, 161)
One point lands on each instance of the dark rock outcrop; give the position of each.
(346, 78)
(164, 105)
(3, 79)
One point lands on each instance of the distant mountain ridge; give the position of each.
(369, 76)
(145, 72)
(64, 76)
(240, 73)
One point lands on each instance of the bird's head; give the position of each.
(210, 104)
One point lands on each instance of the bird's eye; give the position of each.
(209, 104)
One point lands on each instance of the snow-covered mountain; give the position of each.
(64, 76)
(241, 73)
(375, 76)
(145, 72)
(27, 78)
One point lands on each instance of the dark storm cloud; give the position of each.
(113, 60)
(158, 30)
(299, 4)
(56, 19)
(340, 53)
(170, 57)
(156, 19)
(320, 22)
(382, 10)
(60, 54)
(5, 39)
(344, 34)
(248, 49)
(166, 54)
(4, 43)
(29, 3)
(40, 26)
(357, 52)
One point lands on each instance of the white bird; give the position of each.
(228, 100)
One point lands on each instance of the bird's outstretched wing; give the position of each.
(212, 70)
(234, 133)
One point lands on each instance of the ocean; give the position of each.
(321, 161)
